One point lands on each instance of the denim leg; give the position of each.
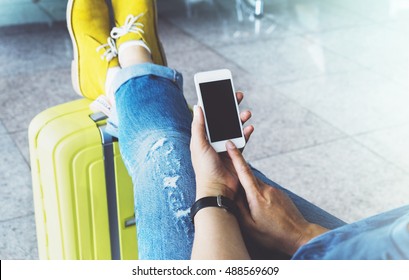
(154, 138)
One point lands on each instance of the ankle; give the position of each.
(134, 52)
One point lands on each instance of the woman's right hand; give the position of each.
(267, 214)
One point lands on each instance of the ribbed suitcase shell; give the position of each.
(73, 219)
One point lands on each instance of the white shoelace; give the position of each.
(131, 25)
(110, 50)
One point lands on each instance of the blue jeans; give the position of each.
(154, 137)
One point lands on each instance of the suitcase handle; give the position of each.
(108, 152)
(130, 221)
(96, 117)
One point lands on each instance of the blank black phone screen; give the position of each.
(220, 110)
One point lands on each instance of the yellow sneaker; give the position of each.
(137, 20)
(94, 52)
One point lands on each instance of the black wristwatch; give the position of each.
(214, 201)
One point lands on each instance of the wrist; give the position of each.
(219, 202)
(214, 190)
(310, 231)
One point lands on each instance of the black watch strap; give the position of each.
(214, 201)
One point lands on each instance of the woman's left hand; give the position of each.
(215, 174)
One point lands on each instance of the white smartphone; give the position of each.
(217, 98)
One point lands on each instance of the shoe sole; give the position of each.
(74, 63)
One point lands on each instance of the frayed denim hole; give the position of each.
(168, 166)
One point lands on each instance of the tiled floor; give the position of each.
(327, 81)
(31, 11)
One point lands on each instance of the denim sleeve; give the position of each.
(385, 236)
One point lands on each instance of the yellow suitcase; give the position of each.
(83, 195)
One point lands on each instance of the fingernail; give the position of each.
(194, 110)
(230, 145)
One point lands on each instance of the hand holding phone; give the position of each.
(216, 97)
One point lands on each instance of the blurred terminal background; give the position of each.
(327, 82)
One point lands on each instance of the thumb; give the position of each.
(198, 129)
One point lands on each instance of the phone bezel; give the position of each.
(213, 76)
